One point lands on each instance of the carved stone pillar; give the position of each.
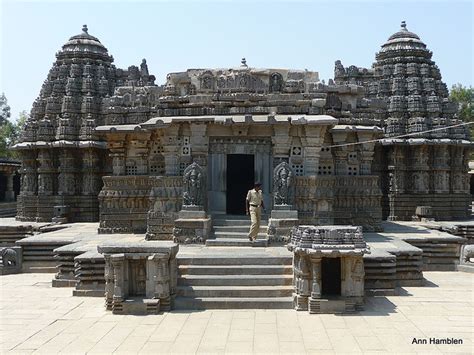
(281, 141)
(9, 193)
(29, 178)
(316, 277)
(45, 173)
(199, 143)
(91, 181)
(118, 162)
(158, 279)
(67, 183)
(312, 142)
(118, 261)
(171, 150)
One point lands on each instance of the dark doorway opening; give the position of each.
(331, 276)
(3, 186)
(240, 179)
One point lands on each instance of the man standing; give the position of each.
(254, 205)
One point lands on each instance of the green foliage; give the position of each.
(464, 97)
(10, 134)
(4, 109)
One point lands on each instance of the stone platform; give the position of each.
(215, 277)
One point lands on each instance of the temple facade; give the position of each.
(109, 144)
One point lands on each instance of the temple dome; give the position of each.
(404, 41)
(84, 43)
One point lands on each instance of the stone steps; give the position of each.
(240, 229)
(250, 261)
(246, 282)
(236, 242)
(233, 303)
(234, 291)
(236, 270)
(233, 231)
(236, 235)
(235, 280)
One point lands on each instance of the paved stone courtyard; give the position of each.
(36, 318)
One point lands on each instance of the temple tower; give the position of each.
(62, 159)
(419, 168)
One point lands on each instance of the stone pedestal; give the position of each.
(61, 214)
(141, 277)
(192, 227)
(282, 219)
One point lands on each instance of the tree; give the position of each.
(4, 109)
(10, 135)
(464, 97)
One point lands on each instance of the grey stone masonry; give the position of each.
(141, 277)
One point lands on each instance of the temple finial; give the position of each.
(404, 25)
(243, 62)
(84, 28)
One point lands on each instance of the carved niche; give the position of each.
(193, 185)
(283, 184)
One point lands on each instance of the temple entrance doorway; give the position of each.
(331, 276)
(240, 179)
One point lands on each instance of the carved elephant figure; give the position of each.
(467, 254)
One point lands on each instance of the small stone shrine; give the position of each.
(141, 277)
(328, 268)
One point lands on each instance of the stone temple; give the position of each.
(109, 144)
(173, 163)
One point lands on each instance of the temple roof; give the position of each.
(403, 40)
(84, 42)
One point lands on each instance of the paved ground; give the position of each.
(36, 318)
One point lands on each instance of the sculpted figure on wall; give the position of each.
(283, 184)
(193, 183)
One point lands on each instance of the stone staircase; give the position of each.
(233, 231)
(239, 282)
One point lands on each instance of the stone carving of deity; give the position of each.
(283, 184)
(276, 82)
(45, 184)
(193, 185)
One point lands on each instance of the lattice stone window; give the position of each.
(182, 166)
(157, 147)
(298, 169)
(131, 170)
(296, 151)
(186, 146)
(157, 169)
(352, 170)
(186, 150)
(325, 170)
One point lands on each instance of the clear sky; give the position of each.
(177, 35)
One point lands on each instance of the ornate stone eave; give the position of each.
(353, 128)
(159, 122)
(425, 141)
(60, 144)
(333, 251)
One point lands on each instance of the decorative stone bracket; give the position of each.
(141, 277)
